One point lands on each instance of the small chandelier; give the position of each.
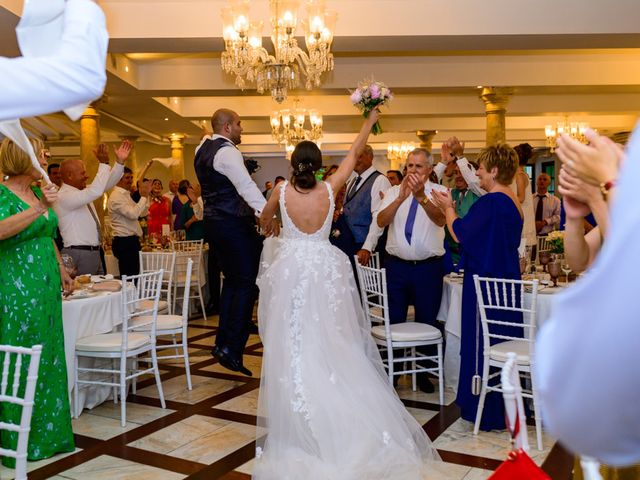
(288, 126)
(397, 153)
(575, 130)
(250, 62)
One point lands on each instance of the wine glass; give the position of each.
(566, 269)
(69, 265)
(545, 257)
(554, 271)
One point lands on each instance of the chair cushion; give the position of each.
(519, 347)
(164, 322)
(148, 305)
(110, 342)
(408, 332)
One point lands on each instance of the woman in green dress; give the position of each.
(30, 302)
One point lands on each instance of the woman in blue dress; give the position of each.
(490, 236)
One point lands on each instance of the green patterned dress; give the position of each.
(30, 314)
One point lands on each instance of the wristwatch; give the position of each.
(425, 200)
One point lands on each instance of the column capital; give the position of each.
(177, 140)
(91, 111)
(426, 138)
(496, 99)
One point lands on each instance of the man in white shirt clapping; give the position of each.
(79, 224)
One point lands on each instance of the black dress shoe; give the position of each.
(228, 362)
(424, 384)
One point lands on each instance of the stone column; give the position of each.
(89, 140)
(426, 138)
(177, 152)
(495, 103)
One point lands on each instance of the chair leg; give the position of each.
(134, 380)
(536, 412)
(113, 380)
(414, 375)
(440, 375)
(390, 365)
(76, 387)
(204, 313)
(123, 392)
(156, 372)
(185, 356)
(483, 394)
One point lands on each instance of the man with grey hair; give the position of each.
(358, 233)
(545, 206)
(415, 245)
(79, 224)
(232, 201)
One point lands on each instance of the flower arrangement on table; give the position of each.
(556, 240)
(368, 96)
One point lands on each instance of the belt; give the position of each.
(84, 247)
(414, 262)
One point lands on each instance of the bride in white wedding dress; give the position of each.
(325, 399)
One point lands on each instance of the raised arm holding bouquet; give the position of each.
(368, 96)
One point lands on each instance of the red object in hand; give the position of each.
(519, 466)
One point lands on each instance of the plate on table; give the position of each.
(101, 278)
(79, 294)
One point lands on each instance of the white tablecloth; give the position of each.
(82, 318)
(451, 314)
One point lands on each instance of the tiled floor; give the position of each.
(209, 432)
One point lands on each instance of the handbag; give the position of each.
(518, 465)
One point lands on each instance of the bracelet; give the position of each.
(605, 187)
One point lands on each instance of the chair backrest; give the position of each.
(513, 403)
(187, 288)
(373, 285)
(374, 260)
(500, 295)
(140, 296)
(184, 250)
(543, 243)
(154, 261)
(13, 368)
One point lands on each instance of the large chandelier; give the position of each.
(250, 62)
(575, 130)
(288, 126)
(397, 153)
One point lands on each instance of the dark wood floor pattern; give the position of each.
(558, 464)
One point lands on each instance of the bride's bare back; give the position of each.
(307, 210)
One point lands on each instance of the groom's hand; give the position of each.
(363, 256)
(271, 228)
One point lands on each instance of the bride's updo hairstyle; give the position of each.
(306, 159)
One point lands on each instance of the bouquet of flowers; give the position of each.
(369, 95)
(556, 239)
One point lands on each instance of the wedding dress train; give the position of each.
(325, 399)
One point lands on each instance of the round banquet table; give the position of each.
(83, 317)
(450, 314)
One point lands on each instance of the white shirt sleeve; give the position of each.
(229, 162)
(73, 199)
(127, 207)
(198, 209)
(74, 75)
(439, 170)
(381, 184)
(114, 176)
(469, 174)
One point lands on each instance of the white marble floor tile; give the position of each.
(203, 388)
(247, 403)
(111, 468)
(9, 473)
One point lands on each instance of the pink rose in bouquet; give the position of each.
(369, 95)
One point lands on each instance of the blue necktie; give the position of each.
(411, 219)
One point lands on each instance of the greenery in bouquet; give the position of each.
(368, 96)
(556, 240)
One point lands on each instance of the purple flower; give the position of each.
(356, 97)
(375, 91)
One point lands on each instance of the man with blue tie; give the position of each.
(415, 245)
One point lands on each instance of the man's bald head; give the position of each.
(226, 123)
(73, 173)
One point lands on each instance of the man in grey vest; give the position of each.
(358, 233)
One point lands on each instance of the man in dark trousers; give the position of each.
(232, 201)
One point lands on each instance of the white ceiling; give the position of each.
(569, 58)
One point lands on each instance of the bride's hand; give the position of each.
(374, 116)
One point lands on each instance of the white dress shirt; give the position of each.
(587, 352)
(229, 162)
(380, 184)
(550, 212)
(427, 239)
(468, 173)
(124, 213)
(74, 74)
(76, 224)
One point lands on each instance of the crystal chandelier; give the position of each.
(250, 62)
(575, 130)
(288, 126)
(397, 153)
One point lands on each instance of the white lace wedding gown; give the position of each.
(325, 399)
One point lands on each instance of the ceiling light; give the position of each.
(250, 62)
(288, 126)
(166, 119)
(575, 130)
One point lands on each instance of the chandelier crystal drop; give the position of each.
(575, 130)
(250, 62)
